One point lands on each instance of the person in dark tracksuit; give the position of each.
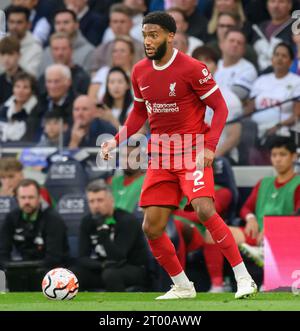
(33, 240)
(112, 247)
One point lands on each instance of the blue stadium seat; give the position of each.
(65, 178)
(224, 176)
(72, 208)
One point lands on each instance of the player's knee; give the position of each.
(151, 230)
(204, 209)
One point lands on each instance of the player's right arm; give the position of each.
(136, 119)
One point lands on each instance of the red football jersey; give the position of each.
(174, 98)
(174, 94)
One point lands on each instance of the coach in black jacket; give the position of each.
(36, 236)
(112, 247)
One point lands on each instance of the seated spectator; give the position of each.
(117, 100)
(18, 25)
(278, 195)
(92, 25)
(234, 71)
(54, 128)
(269, 91)
(296, 64)
(20, 115)
(37, 235)
(181, 42)
(230, 6)
(9, 60)
(62, 52)
(112, 247)
(182, 26)
(197, 23)
(230, 136)
(120, 22)
(122, 56)
(39, 19)
(11, 174)
(226, 21)
(65, 21)
(269, 33)
(86, 127)
(138, 7)
(59, 94)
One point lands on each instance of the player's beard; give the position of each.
(160, 52)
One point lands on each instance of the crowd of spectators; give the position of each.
(70, 48)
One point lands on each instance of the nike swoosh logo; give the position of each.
(144, 88)
(219, 241)
(197, 189)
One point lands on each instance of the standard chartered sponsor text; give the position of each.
(165, 107)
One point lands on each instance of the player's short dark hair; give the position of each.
(28, 182)
(205, 52)
(235, 29)
(67, 11)
(18, 10)
(285, 142)
(163, 19)
(288, 47)
(9, 45)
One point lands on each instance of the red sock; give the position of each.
(181, 249)
(164, 252)
(214, 262)
(223, 237)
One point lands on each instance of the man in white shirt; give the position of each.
(234, 72)
(18, 26)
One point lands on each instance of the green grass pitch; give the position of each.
(145, 302)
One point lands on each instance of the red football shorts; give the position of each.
(166, 187)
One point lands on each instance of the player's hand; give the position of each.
(208, 157)
(107, 147)
(252, 228)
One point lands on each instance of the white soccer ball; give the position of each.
(60, 284)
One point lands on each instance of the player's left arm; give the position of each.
(209, 93)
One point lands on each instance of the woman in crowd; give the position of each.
(117, 99)
(122, 56)
(220, 6)
(20, 115)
